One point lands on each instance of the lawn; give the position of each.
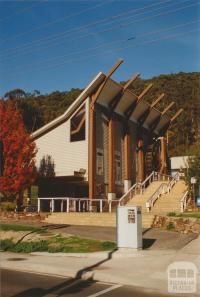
(58, 244)
(55, 243)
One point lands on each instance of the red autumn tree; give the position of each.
(18, 153)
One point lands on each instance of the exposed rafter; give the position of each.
(176, 115)
(158, 100)
(131, 108)
(119, 96)
(168, 107)
(108, 75)
(145, 91)
(130, 81)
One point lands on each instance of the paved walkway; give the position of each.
(144, 269)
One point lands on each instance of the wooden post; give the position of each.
(127, 160)
(140, 161)
(127, 151)
(163, 155)
(92, 152)
(111, 158)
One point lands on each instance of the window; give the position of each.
(118, 176)
(99, 161)
(77, 125)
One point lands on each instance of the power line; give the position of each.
(92, 24)
(114, 42)
(113, 49)
(22, 10)
(60, 20)
(106, 30)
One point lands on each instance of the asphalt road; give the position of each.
(23, 284)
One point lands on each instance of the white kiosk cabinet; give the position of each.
(129, 227)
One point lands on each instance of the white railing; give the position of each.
(173, 181)
(163, 189)
(73, 204)
(139, 188)
(147, 181)
(129, 195)
(183, 201)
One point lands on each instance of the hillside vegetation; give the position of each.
(183, 88)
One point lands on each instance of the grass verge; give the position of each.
(58, 244)
(16, 228)
(185, 215)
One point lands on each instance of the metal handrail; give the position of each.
(128, 195)
(173, 181)
(141, 186)
(162, 189)
(183, 201)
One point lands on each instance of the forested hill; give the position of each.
(183, 88)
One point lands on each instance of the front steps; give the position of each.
(165, 204)
(141, 199)
(92, 219)
(170, 202)
(82, 218)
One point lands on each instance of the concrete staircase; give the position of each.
(141, 199)
(82, 218)
(170, 202)
(165, 204)
(91, 219)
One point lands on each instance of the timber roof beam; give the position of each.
(158, 100)
(145, 91)
(115, 101)
(108, 75)
(131, 108)
(176, 115)
(168, 108)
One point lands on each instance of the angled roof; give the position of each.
(113, 91)
(84, 94)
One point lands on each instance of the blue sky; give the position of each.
(57, 45)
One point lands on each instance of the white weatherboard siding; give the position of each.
(179, 162)
(67, 156)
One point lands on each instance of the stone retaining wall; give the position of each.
(179, 224)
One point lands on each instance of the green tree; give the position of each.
(47, 167)
(193, 169)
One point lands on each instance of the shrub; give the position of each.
(170, 226)
(8, 206)
(171, 214)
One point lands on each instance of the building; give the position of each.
(108, 139)
(178, 164)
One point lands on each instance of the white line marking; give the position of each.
(105, 291)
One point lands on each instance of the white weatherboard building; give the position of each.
(178, 164)
(108, 139)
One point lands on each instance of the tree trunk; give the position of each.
(19, 202)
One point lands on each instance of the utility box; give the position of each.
(129, 227)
